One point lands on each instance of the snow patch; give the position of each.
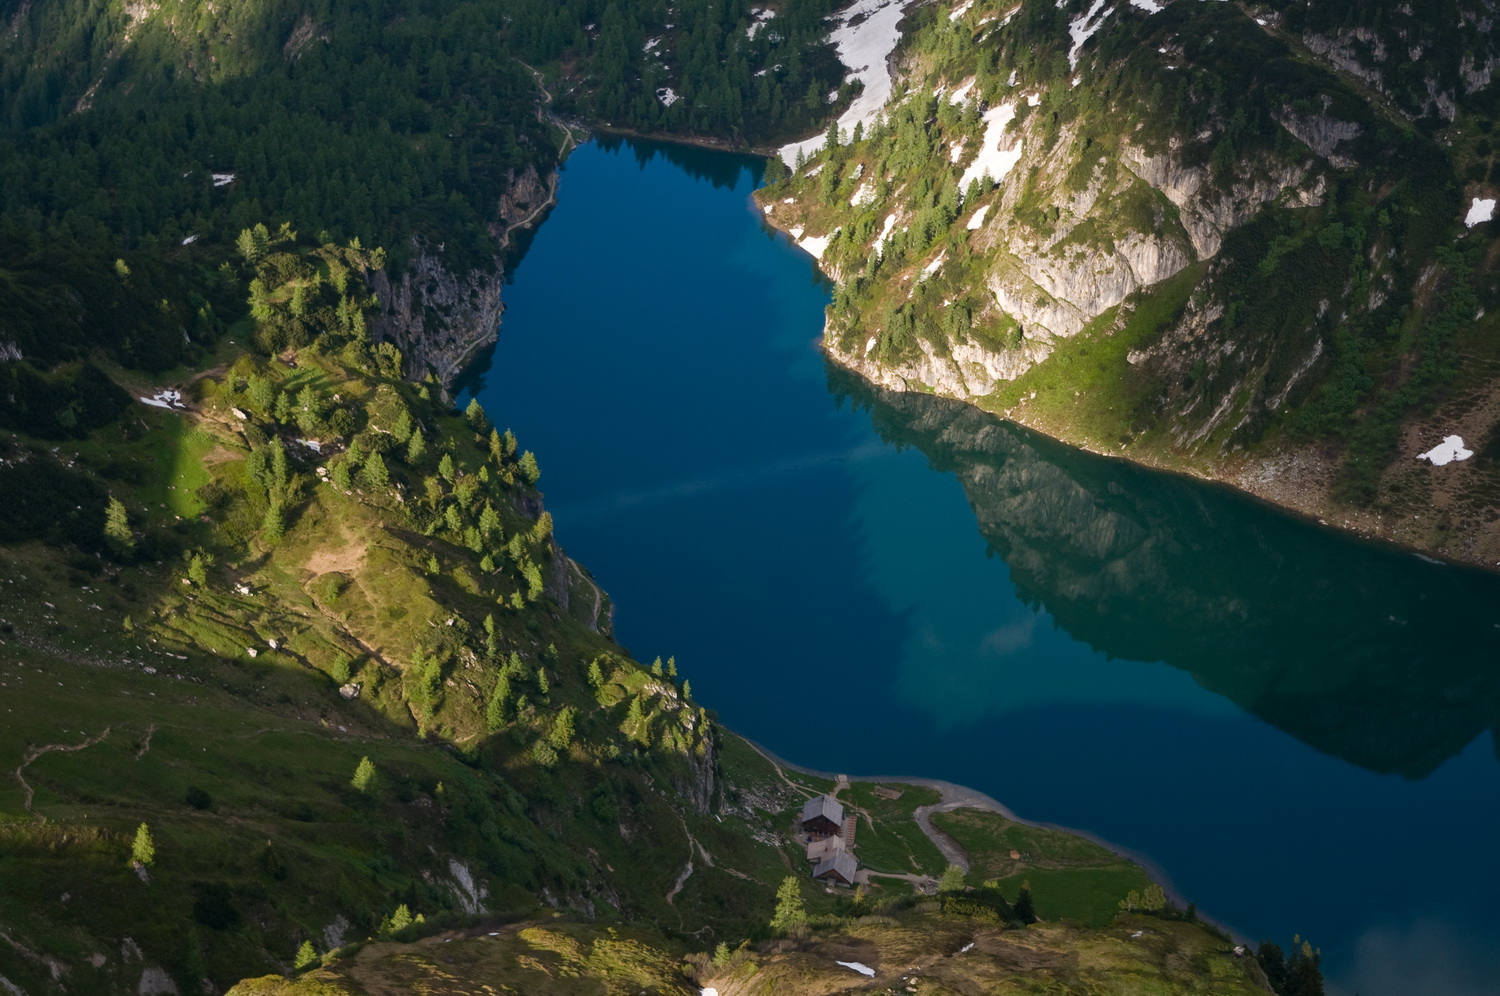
(863, 48)
(667, 96)
(966, 948)
(869, 345)
(1151, 6)
(761, 17)
(993, 159)
(1033, 100)
(1450, 449)
(1083, 27)
(1482, 210)
(934, 266)
(708, 992)
(189, 240)
(960, 10)
(885, 231)
(864, 195)
(815, 245)
(165, 399)
(962, 93)
(957, 152)
(977, 222)
(859, 967)
(650, 44)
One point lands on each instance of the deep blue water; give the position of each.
(1296, 727)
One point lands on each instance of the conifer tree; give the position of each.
(494, 714)
(489, 521)
(273, 526)
(143, 849)
(952, 880)
(1025, 909)
(474, 415)
(399, 921)
(117, 527)
(635, 724)
(374, 471)
(416, 449)
(445, 468)
(529, 469)
(561, 735)
(791, 910)
(306, 956)
(365, 776)
(596, 675)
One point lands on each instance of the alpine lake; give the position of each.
(1298, 730)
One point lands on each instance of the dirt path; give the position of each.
(598, 595)
(32, 753)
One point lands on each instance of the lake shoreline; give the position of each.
(955, 796)
(1294, 480)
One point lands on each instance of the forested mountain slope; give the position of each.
(155, 132)
(1198, 235)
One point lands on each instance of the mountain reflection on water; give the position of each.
(1364, 652)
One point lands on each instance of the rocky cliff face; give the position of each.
(440, 317)
(1187, 235)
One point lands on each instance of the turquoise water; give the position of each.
(1297, 728)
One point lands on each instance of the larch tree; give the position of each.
(365, 776)
(117, 527)
(143, 848)
(791, 909)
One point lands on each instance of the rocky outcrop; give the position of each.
(440, 317)
(966, 370)
(1063, 291)
(1207, 212)
(1322, 134)
(437, 317)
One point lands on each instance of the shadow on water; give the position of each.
(721, 169)
(1361, 651)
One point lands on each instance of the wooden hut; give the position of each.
(838, 868)
(822, 816)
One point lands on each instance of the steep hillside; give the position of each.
(1180, 234)
(223, 599)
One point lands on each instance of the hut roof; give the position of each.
(825, 806)
(841, 863)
